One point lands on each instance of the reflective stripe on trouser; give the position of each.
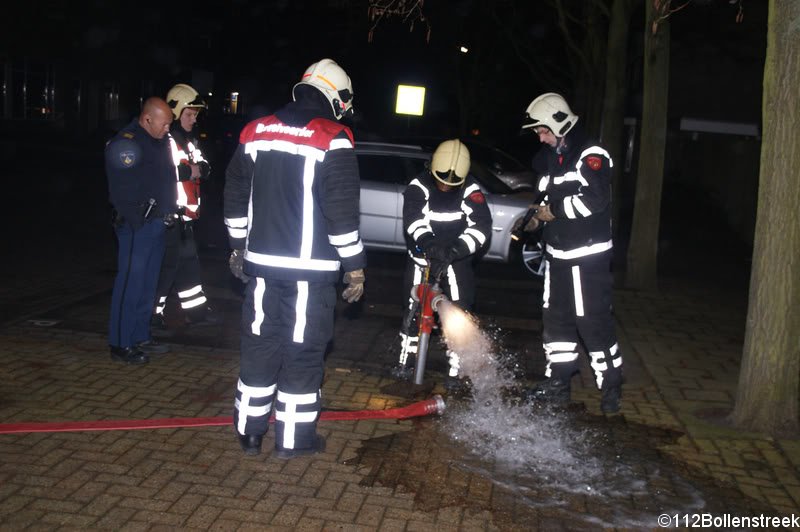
(408, 346)
(458, 285)
(138, 263)
(286, 327)
(296, 419)
(180, 270)
(578, 307)
(252, 408)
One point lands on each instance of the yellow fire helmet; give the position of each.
(182, 96)
(450, 163)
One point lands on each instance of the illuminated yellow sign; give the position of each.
(410, 100)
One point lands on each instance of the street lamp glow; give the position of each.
(410, 100)
(464, 49)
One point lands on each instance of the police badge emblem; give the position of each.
(127, 158)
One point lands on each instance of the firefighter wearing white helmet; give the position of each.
(576, 211)
(330, 79)
(447, 223)
(291, 208)
(180, 269)
(551, 111)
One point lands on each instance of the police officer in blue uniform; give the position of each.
(141, 185)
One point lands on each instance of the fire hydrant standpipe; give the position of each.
(429, 297)
(434, 405)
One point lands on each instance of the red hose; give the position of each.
(434, 405)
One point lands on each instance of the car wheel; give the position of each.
(532, 256)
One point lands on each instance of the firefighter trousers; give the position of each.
(577, 306)
(180, 270)
(459, 286)
(286, 327)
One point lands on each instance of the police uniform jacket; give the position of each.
(186, 151)
(578, 188)
(291, 195)
(459, 217)
(139, 167)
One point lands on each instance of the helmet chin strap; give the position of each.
(561, 145)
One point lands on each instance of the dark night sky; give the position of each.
(260, 49)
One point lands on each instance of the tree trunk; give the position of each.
(643, 250)
(766, 399)
(614, 99)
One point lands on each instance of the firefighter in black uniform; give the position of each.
(142, 191)
(291, 208)
(446, 223)
(577, 300)
(181, 266)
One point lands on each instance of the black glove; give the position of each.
(440, 257)
(170, 219)
(236, 264)
(438, 252)
(205, 169)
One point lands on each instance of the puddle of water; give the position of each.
(533, 467)
(632, 485)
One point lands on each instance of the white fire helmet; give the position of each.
(330, 79)
(450, 163)
(182, 96)
(550, 110)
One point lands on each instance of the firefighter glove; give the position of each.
(355, 286)
(205, 169)
(236, 264)
(531, 226)
(440, 258)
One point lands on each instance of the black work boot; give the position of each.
(151, 347)
(609, 403)
(201, 317)
(552, 391)
(403, 372)
(250, 443)
(128, 355)
(287, 454)
(157, 321)
(458, 386)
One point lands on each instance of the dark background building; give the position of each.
(74, 72)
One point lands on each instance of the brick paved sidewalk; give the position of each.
(682, 352)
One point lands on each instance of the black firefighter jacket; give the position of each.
(291, 196)
(457, 217)
(578, 187)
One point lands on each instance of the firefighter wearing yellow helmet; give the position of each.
(447, 223)
(180, 269)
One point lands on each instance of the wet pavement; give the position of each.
(668, 452)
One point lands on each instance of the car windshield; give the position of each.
(495, 157)
(399, 167)
(488, 180)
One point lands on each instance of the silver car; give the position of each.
(502, 165)
(385, 171)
